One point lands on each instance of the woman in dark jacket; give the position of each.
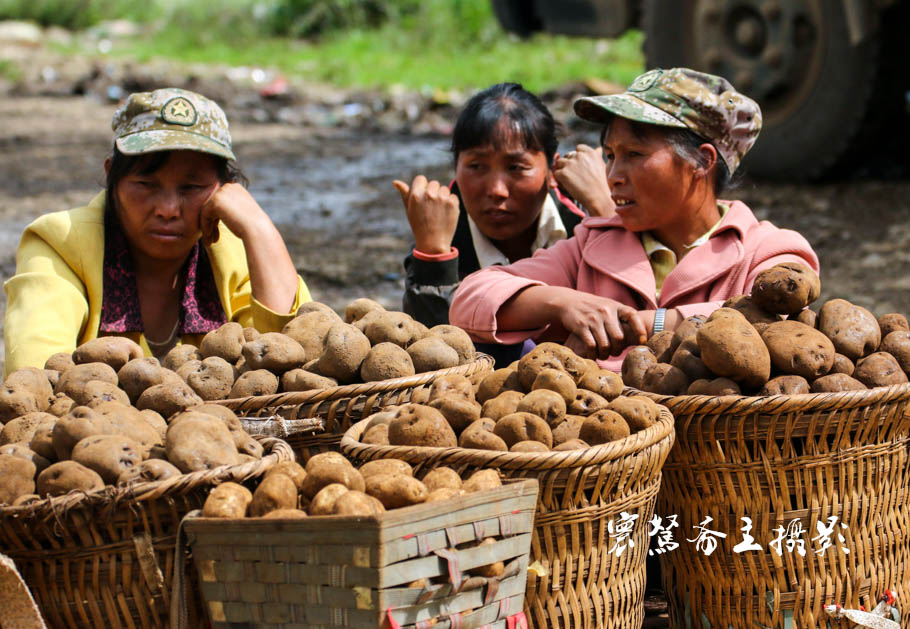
(503, 205)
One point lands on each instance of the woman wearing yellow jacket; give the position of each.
(171, 249)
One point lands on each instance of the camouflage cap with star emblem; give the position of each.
(704, 103)
(171, 119)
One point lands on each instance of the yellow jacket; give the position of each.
(53, 302)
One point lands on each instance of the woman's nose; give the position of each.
(497, 188)
(167, 204)
(616, 173)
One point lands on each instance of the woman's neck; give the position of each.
(519, 246)
(691, 224)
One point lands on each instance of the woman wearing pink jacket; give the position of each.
(672, 142)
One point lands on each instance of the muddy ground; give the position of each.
(328, 187)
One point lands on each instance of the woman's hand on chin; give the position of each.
(233, 205)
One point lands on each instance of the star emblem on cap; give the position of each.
(179, 111)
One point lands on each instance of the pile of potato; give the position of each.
(316, 350)
(551, 399)
(771, 343)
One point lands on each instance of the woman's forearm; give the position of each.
(531, 308)
(273, 278)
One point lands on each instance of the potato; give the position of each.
(604, 426)
(687, 358)
(457, 339)
(24, 452)
(797, 349)
(191, 366)
(73, 381)
(522, 426)
(785, 385)
(529, 446)
(302, 380)
(786, 287)
(490, 571)
(285, 514)
(888, 323)
(148, 471)
(432, 353)
(842, 364)
(327, 468)
(385, 466)
(75, 426)
(245, 444)
(360, 307)
(835, 382)
(665, 379)
(418, 425)
(346, 347)
(560, 382)
(180, 354)
(222, 412)
(385, 361)
(357, 503)
(662, 345)
(499, 381)
(309, 330)
(897, 344)
(213, 379)
(452, 384)
(586, 402)
(22, 429)
(255, 382)
(879, 369)
(477, 437)
(568, 429)
(441, 477)
(396, 490)
(291, 469)
(635, 363)
(807, 317)
(503, 404)
(18, 476)
(732, 348)
(713, 387)
(482, 480)
(199, 442)
(108, 455)
(687, 328)
(42, 442)
(531, 364)
(315, 306)
(66, 476)
(443, 494)
(273, 351)
(853, 329)
(114, 351)
(638, 411)
(276, 491)
(168, 399)
(572, 444)
(226, 342)
(96, 392)
(323, 502)
(391, 327)
(376, 435)
(138, 375)
(604, 382)
(61, 405)
(749, 308)
(227, 500)
(37, 381)
(61, 361)
(546, 404)
(459, 412)
(15, 401)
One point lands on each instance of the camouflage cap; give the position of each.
(683, 98)
(171, 119)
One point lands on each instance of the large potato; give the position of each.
(638, 411)
(327, 468)
(499, 381)
(17, 478)
(786, 287)
(687, 358)
(291, 469)
(74, 380)
(37, 381)
(315, 306)
(418, 425)
(836, 382)
(715, 387)
(149, 471)
(457, 339)
(384, 361)
(276, 491)
(662, 345)
(879, 369)
(732, 348)
(303, 380)
(226, 342)
(180, 354)
(897, 343)
(888, 323)
(586, 402)
(228, 500)
(482, 480)
(562, 383)
(665, 379)
(797, 349)
(396, 490)
(479, 437)
(309, 330)
(853, 329)
(546, 404)
(115, 351)
(24, 452)
(66, 476)
(603, 382)
(603, 426)
(432, 353)
(531, 364)
(75, 426)
(22, 429)
(386, 466)
(358, 308)
(108, 455)
(200, 442)
(785, 385)
(168, 399)
(346, 347)
(522, 426)
(213, 379)
(459, 412)
(635, 363)
(255, 382)
(441, 477)
(391, 327)
(323, 503)
(748, 307)
(97, 392)
(357, 503)
(452, 384)
(273, 351)
(503, 404)
(61, 361)
(138, 375)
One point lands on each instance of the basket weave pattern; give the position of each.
(106, 558)
(584, 582)
(775, 460)
(313, 421)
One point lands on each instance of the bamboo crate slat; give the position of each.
(106, 558)
(776, 459)
(313, 421)
(330, 571)
(581, 491)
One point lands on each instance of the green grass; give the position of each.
(10, 70)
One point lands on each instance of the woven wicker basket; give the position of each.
(313, 421)
(347, 571)
(776, 460)
(580, 583)
(106, 558)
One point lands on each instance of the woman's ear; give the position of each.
(709, 157)
(107, 166)
(551, 178)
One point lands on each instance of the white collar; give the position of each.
(550, 230)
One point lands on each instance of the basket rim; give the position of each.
(113, 495)
(663, 428)
(481, 362)
(775, 404)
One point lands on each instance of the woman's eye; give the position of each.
(608, 157)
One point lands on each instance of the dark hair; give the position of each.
(481, 120)
(147, 163)
(686, 143)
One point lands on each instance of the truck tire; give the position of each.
(516, 16)
(813, 85)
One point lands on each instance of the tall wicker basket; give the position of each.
(582, 580)
(787, 462)
(313, 421)
(105, 559)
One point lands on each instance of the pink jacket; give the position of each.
(605, 259)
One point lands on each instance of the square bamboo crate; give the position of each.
(341, 571)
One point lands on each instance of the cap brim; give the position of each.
(601, 108)
(170, 140)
